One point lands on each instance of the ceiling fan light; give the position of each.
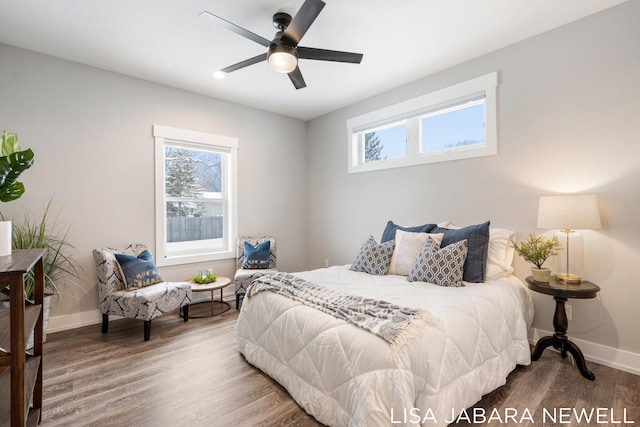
(282, 59)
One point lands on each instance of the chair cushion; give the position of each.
(256, 257)
(244, 277)
(149, 302)
(138, 271)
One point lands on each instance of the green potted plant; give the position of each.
(13, 161)
(204, 277)
(536, 250)
(60, 269)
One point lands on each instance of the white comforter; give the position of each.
(345, 376)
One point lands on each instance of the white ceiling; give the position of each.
(165, 41)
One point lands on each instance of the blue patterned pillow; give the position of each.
(389, 232)
(138, 271)
(477, 237)
(374, 258)
(443, 267)
(256, 257)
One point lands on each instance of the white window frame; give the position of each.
(164, 135)
(413, 110)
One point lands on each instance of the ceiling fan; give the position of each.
(283, 51)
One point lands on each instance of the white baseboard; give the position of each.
(72, 321)
(598, 353)
(94, 317)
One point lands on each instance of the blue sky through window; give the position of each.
(393, 141)
(455, 128)
(463, 126)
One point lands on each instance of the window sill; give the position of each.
(190, 259)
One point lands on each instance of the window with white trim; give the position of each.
(196, 200)
(456, 122)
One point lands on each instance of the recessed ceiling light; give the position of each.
(219, 75)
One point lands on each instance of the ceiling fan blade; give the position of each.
(297, 79)
(300, 23)
(328, 55)
(245, 63)
(236, 29)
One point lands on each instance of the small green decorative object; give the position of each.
(536, 249)
(204, 279)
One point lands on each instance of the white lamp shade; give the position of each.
(569, 212)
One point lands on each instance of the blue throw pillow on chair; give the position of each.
(256, 257)
(139, 271)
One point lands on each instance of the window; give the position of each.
(456, 122)
(196, 204)
(386, 142)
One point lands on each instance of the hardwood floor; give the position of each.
(190, 374)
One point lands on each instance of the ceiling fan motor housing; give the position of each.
(281, 20)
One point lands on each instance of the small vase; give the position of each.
(5, 238)
(541, 275)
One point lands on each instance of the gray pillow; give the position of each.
(374, 258)
(477, 237)
(443, 267)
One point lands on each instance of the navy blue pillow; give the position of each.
(138, 271)
(256, 257)
(389, 232)
(477, 237)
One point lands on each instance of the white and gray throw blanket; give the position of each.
(394, 324)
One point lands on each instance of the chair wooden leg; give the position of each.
(185, 312)
(105, 323)
(147, 330)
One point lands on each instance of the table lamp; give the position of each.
(569, 213)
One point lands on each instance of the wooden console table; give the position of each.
(20, 368)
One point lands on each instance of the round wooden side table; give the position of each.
(220, 283)
(561, 292)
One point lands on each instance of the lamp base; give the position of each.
(569, 279)
(569, 266)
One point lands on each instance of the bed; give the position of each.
(343, 375)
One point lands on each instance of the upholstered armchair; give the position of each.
(145, 302)
(245, 273)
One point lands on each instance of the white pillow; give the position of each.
(494, 272)
(501, 247)
(407, 248)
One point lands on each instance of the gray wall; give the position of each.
(91, 132)
(568, 121)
